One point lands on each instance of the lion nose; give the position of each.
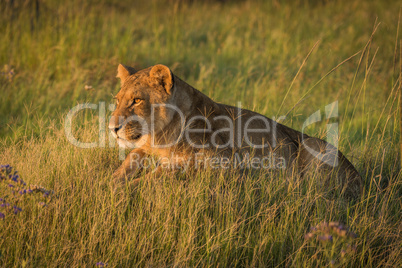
(114, 125)
(115, 128)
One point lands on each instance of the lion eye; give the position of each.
(136, 101)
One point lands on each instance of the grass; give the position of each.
(276, 58)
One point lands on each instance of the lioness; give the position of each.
(158, 114)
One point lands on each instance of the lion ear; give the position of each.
(162, 76)
(124, 71)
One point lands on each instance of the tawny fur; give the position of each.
(158, 85)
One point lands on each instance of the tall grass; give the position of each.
(250, 51)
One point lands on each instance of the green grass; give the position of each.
(248, 51)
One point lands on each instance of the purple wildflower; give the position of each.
(16, 209)
(325, 238)
(101, 264)
(5, 166)
(15, 178)
(10, 185)
(22, 192)
(2, 216)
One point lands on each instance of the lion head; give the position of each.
(141, 104)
